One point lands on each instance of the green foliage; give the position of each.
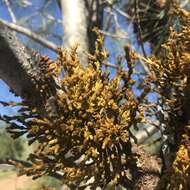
(9, 147)
(45, 183)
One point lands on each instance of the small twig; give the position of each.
(111, 65)
(121, 13)
(12, 15)
(27, 32)
(112, 35)
(144, 62)
(139, 28)
(116, 20)
(114, 17)
(183, 4)
(50, 17)
(107, 20)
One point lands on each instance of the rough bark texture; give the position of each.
(17, 66)
(94, 11)
(150, 169)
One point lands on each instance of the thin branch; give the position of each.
(107, 21)
(139, 28)
(50, 17)
(111, 65)
(114, 17)
(112, 35)
(143, 62)
(121, 12)
(27, 32)
(183, 4)
(12, 15)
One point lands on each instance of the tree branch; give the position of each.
(17, 66)
(12, 15)
(30, 34)
(112, 35)
(150, 169)
(75, 26)
(143, 134)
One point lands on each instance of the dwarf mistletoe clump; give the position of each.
(84, 132)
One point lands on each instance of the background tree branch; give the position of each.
(27, 32)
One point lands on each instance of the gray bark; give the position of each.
(17, 66)
(80, 17)
(75, 26)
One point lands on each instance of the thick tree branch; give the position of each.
(150, 169)
(143, 134)
(95, 12)
(88, 14)
(75, 26)
(17, 66)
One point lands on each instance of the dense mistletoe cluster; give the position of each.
(84, 133)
